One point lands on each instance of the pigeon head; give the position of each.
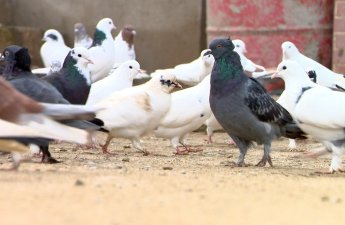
(167, 82)
(16, 59)
(81, 55)
(106, 25)
(289, 69)
(219, 47)
(132, 67)
(289, 50)
(103, 31)
(52, 35)
(79, 31)
(128, 34)
(240, 46)
(208, 59)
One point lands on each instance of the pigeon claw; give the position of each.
(180, 151)
(264, 160)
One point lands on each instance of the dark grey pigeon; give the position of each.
(17, 71)
(243, 107)
(73, 80)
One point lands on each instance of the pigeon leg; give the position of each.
(209, 132)
(209, 139)
(106, 144)
(266, 157)
(292, 144)
(137, 144)
(46, 156)
(243, 147)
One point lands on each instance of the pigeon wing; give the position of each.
(265, 108)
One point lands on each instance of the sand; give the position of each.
(88, 187)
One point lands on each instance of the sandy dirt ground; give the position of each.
(88, 187)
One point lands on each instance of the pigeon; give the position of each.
(124, 45)
(251, 69)
(46, 71)
(121, 78)
(54, 48)
(17, 71)
(243, 107)
(73, 80)
(189, 109)
(81, 38)
(102, 50)
(191, 73)
(248, 66)
(134, 112)
(319, 111)
(325, 77)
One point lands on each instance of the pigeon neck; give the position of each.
(75, 71)
(98, 38)
(228, 68)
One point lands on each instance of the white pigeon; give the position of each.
(325, 77)
(46, 71)
(188, 111)
(318, 111)
(124, 45)
(136, 111)
(119, 79)
(191, 73)
(54, 48)
(102, 51)
(248, 65)
(81, 38)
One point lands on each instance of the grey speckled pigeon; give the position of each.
(243, 107)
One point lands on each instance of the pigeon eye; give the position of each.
(7, 53)
(131, 67)
(79, 55)
(284, 67)
(237, 46)
(109, 22)
(219, 46)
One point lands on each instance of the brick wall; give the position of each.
(338, 60)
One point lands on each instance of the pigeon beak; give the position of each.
(176, 84)
(208, 53)
(134, 32)
(275, 75)
(2, 57)
(141, 71)
(244, 50)
(89, 61)
(44, 39)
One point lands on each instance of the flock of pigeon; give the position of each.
(89, 88)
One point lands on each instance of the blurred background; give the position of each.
(174, 32)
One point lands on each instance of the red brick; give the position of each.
(339, 41)
(340, 9)
(339, 69)
(339, 24)
(338, 56)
